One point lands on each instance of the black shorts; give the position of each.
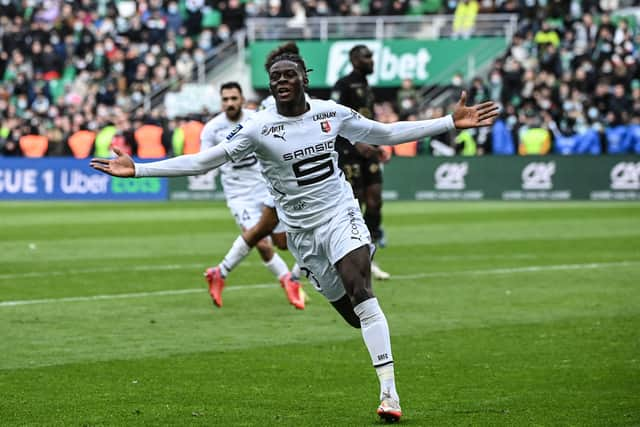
(358, 170)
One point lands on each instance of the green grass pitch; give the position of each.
(502, 314)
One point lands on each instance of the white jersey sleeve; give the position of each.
(241, 178)
(239, 143)
(358, 128)
(188, 164)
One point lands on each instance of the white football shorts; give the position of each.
(319, 249)
(247, 214)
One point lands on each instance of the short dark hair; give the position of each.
(288, 51)
(356, 50)
(231, 85)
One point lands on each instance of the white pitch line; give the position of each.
(131, 295)
(168, 267)
(529, 269)
(113, 269)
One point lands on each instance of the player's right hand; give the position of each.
(121, 166)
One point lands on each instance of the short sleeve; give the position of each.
(239, 143)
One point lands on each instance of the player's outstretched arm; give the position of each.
(474, 116)
(189, 164)
(122, 165)
(358, 128)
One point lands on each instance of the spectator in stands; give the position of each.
(464, 20)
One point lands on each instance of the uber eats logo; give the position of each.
(389, 64)
(135, 186)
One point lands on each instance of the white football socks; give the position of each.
(296, 271)
(239, 250)
(277, 266)
(375, 332)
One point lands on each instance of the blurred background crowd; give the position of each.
(78, 71)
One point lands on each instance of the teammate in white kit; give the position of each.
(246, 194)
(325, 229)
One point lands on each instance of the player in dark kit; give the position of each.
(361, 162)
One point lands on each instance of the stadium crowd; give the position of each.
(83, 68)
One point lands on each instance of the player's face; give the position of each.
(363, 61)
(232, 103)
(287, 82)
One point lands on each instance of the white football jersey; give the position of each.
(242, 178)
(299, 160)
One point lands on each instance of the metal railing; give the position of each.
(437, 95)
(422, 27)
(221, 53)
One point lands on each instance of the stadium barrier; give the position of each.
(513, 178)
(417, 178)
(71, 179)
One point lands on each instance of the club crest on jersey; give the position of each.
(325, 126)
(234, 132)
(276, 131)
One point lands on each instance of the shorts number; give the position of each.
(324, 169)
(248, 161)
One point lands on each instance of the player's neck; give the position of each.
(293, 109)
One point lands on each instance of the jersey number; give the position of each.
(324, 169)
(248, 161)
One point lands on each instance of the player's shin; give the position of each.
(239, 250)
(277, 266)
(375, 332)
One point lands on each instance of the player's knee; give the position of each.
(280, 241)
(353, 321)
(374, 202)
(360, 294)
(265, 249)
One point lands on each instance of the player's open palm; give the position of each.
(120, 166)
(474, 116)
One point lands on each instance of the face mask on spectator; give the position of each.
(77, 26)
(173, 8)
(545, 104)
(593, 113)
(223, 34)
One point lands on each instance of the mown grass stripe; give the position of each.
(514, 270)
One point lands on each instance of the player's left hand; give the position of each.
(122, 165)
(474, 116)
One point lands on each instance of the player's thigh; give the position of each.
(352, 169)
(246, 214)
(307, 248)
(371, 173)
